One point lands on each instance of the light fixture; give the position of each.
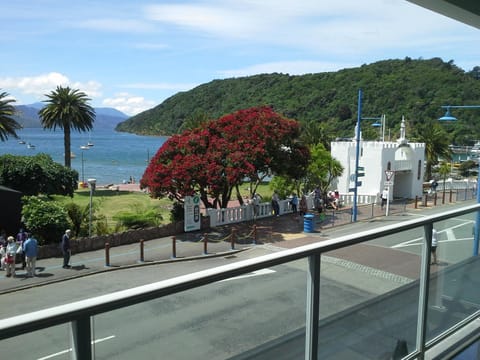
(448, 116)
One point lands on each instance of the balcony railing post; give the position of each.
(423, 291)
(81, 339)
(312, 308)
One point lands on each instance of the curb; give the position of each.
(121, 267)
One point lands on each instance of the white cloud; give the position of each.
(343, 27)
(161, 86)
(287, 67)
(128, 103)
(38, 86)
(116, 25)
(35, 85)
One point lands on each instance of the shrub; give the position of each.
(139, 218)
(177, 213)
(47, 220)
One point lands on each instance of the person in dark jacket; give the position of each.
(66, 249)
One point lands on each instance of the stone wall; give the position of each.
(86, 244)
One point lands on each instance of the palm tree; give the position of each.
(436, 142)
(7, 124)
(444, 170)
(314, 132)
(68, 109)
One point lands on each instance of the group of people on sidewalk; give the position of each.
(25, 246)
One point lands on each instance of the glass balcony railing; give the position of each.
(369, 295)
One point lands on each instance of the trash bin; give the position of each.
(308, 223)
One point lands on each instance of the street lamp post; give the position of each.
(448, 117)
(357, 156)
(357, 151)
(92, 183)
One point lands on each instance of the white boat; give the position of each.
(89, 144)
(475, 148)
(30, 146)
(84, 147)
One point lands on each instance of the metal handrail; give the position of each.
(78, 310)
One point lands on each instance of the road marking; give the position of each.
(255, 273)
(449, 232)
(70, 350)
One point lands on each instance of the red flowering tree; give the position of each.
(216, 158)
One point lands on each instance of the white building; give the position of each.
(405, 159)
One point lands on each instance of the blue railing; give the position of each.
(371, 294)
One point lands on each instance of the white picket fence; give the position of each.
(219, 217)
(242, 213)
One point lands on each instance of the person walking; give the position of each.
(384, 197)
(30, 249)
(276, 204)
(303, 205)
(21, 238)
(294, 203)
(66, 248)
(9, 252)
(434, 246)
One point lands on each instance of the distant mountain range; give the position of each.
(106, 118)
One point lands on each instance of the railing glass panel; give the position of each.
(248, 314)
(369, 299)
(51, 343)
(454, 282)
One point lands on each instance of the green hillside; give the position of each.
(413, 88)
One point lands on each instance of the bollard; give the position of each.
(416, 201)
(426, 200)
(174, 247)
(107, 254)
(205, 242)
(254, 234)
(232, 239)
(451, 193)
(142, 258)
(435, 199)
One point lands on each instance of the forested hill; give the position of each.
(413, 88)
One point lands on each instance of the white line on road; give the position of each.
(69, 350)
(448, 231)
(255, 273)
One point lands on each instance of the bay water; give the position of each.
(114, 158)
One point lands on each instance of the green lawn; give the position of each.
(110, 202)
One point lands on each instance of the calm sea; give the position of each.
(113, 158)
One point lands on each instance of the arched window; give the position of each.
(419, 169)
(389, 166)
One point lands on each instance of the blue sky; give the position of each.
(132, 55)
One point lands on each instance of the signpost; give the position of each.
(389, 174)
(192, 213)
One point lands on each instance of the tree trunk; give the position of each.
(66, 142)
